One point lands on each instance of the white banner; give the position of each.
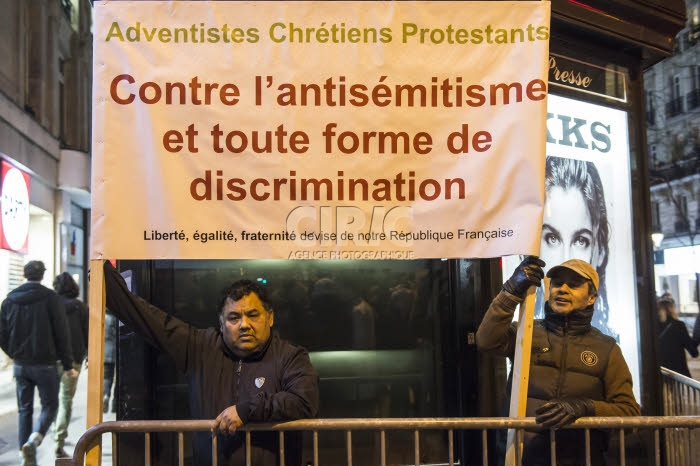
(318, 130)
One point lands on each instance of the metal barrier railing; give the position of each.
(681, 397)
(681, 394)
(654, 424)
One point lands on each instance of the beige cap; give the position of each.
(582, 268)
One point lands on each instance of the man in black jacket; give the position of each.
(237, 373)
(34, 333)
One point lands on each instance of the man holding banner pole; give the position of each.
(575, 370)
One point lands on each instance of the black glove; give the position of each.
(559, 413)
(528, 273)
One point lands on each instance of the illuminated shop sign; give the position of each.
(587, 78)
(14, 202)
(587, 212)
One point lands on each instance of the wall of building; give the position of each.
(673, 134)
(45, 98)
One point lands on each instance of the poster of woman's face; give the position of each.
(575, 226)
(574, 223)
(562, 240)
(587, 214)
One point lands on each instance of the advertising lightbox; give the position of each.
(587, 213)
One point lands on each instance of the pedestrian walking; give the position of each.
(674, 339)
(34, 333)
(77, 318)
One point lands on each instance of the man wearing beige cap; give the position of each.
(575, 370)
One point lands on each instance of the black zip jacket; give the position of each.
(77, 318)
(276, 384)
(33, 327)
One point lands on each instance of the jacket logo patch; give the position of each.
(259, 381)
(589, 358)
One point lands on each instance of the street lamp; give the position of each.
(657, 237)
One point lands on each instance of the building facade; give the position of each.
(45, 102)
(673, 133)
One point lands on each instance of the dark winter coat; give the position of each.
(77, 318)
(276, 384)
(673, 342)
(569, 359)
(33, 327)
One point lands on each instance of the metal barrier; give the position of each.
(652, 424)
(681, 396)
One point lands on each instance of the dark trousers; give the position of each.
(46, 379)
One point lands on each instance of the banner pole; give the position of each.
(95, 355)
(521, 374)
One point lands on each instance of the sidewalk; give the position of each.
(45, 452)
(8, 396)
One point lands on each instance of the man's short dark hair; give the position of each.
(34, 270)
(240, 288)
